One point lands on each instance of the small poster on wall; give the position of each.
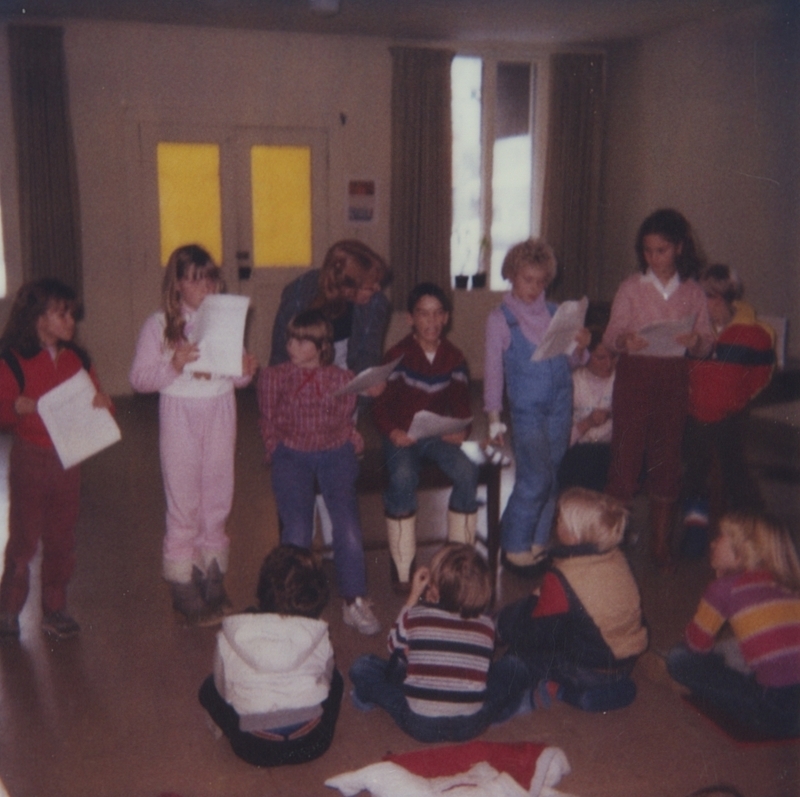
(361, 201)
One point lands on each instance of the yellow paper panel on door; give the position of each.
(189, 197)
(281, 180)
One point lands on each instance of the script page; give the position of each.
(219, 333)
(77, 428)
(429, 424)
(564, 326)
(368, 378)
(661, 338)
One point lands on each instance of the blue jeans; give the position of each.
(403, 464)
(540, 437)
(294, 474)
(773, 712)
(380, 682)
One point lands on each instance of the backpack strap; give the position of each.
(12, 362)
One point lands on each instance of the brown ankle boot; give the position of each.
(661, 521)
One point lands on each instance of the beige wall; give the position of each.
(706, 118)
(703, 117)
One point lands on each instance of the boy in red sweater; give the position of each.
(432, 375)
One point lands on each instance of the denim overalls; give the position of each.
(540, 395)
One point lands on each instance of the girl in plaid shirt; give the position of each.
(310, 439)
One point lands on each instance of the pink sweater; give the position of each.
(639, 303)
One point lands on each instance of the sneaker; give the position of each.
(9, 626)
(360, 704)
(358, 615)
(60, 624)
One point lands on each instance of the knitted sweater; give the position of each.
(441, 386)
(448, 660)
(739, 367)
(764, 616)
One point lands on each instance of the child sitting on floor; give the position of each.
(756, 681)
(440, 683)
(275, 692)
(582, 634)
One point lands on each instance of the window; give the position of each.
(496, 189)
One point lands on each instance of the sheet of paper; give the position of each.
(564, 326)
(429, 424)
(661, 338)
(78, 429)
(368, 378)
(219, 332)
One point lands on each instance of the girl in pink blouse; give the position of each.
(651, 388)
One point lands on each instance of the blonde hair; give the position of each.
(461, 576)
(585, 516)
(762, 542)
(534, 252)
(312, 325)
(186, 262)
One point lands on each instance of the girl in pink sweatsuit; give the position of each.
(197, 435)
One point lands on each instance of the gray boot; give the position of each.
(188, 600)
(216, 599)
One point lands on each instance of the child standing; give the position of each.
(651, 393)
(37, 355)
(540, 395)
(310, 439)
(440, 683)
(275, 692)
(720, 388)
(584, 630)
(757, 591)
(197, 435)
(586, 462)
(432, 375)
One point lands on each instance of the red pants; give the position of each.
(649, 410)
(44, 500)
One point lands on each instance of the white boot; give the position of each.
(402, 536)
(461, 527)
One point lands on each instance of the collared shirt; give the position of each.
(298, 409)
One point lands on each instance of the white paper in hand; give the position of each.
(564, 326)
(429, 424)
(219, 333)
(368, 378)
(77, 428)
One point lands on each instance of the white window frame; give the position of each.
(540, 70)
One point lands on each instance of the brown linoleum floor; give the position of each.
(114, 711)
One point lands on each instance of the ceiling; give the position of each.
(540, 22)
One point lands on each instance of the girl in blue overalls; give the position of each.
(540, 395)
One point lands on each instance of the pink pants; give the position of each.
(649, 407)
(44, 501)
(197, 439)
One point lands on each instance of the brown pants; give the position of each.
(44, 500)
(648, 409)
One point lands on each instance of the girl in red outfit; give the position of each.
(37, 355)
(651, 388)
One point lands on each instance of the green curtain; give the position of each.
(48, 185)
(570, 219)
(421, 195)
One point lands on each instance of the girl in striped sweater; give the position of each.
(440, 683)
(754, 678)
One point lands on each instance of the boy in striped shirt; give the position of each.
(440, 683)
